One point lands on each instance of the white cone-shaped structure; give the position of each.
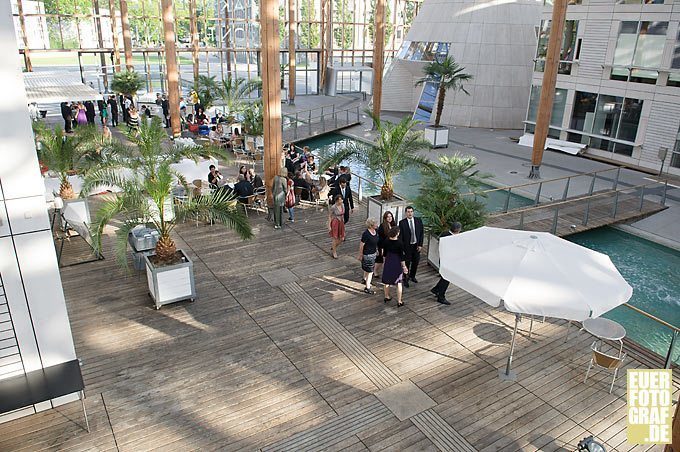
(496, 42)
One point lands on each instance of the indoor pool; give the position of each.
(653, 270)
(407, 183)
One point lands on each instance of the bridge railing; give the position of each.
(318, 120)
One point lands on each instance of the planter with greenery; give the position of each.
(394, 150)
(234, 94)
(446, 74)
(253, 122)
(441, 201)
(127, 83)
(144, 199)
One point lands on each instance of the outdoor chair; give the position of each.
(249, 202)
(605, 361)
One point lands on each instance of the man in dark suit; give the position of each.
(343, 190)
(440, 288)
(412, 235)
(113, 110)
(243, 189)
(165, 106)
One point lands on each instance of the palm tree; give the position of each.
(234, 91)
(449, 75)
(394, 151)
(145, 196)
(441, 200)
(127, 82)
(67, 154)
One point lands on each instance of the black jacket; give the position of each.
(405, 231)
(348, 200)
(243, 189)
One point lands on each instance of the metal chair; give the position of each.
(605, 361)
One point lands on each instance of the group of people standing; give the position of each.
(83, 113)
(396, 248)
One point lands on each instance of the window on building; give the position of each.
(603, 116)
(637, 2)
(674, 77)
(559, 102)
(568, 46)
(639, 49)
(675, 155)
(423, 51)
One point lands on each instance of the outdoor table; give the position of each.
(605, 329)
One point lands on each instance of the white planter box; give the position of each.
(76, 212)
(377, 207)
(437, 136)
(433, 251)
(171, 283)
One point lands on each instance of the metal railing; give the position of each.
(559, 188)
(303, 124)
(638, 192)
(674, 330)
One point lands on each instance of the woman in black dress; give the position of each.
(395, 267)
(368, 251)
(384, 229)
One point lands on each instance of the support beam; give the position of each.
(171, 65)
(378, 56)
(22, 23)
(271, 90)
(193, 28)
(100, 41)
(545, 103)
(323, 43)
(291, 51)
(127, 37)
(227, 34)
(114, 35)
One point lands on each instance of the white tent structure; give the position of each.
(55, 87)
(532, 273)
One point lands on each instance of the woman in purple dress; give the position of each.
(81, 117)
(394, 267)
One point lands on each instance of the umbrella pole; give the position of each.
(509, 375)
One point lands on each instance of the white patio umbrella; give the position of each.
(532, 273)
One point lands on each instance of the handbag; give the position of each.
(290, 199)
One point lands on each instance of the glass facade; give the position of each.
(422, 51)
(639, 50)
(568, 46)
(603, 116)
(675, 155)
(61, 33)
(557, 115)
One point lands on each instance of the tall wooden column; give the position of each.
(193, 28)
(22, 23)
(114, 35)
(100, 41)
(291, 51)
(171, 65)
(271, 89)
(545, 103)
(378, 56)
(127, 36)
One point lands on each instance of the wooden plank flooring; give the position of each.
(283, 351)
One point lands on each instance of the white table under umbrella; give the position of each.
(532, 273)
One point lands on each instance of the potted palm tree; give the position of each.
(451, 194)
(233, 92)
(127, 83)
(144, 199)
(69, 156)
(446, 75)
(253, 122)
(394, 150)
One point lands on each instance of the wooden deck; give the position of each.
(282, 351)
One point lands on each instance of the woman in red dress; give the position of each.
(336, 224)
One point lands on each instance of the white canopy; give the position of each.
(533, 273)
(56, 87)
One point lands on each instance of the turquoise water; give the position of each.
(652, 270)
(407, 183)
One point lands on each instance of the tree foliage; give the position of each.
(441, 201)
(127, 82)
(144, 197)
(395, 149)
(449, 75)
